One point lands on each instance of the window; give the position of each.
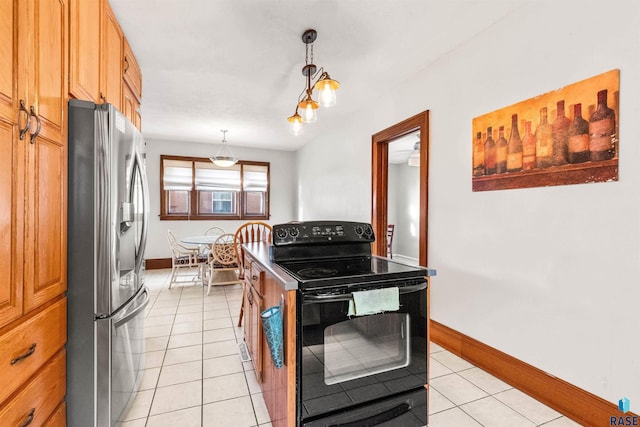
(195, 188)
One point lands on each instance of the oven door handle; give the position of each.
(349, 297)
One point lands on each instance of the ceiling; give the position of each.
(236, 64)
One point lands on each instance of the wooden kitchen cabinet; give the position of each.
(131, 87)
(11, 170)
(34, 182)
(84, 49)
(111, 57)
(33, 193)
(253, 306)
(102, 66)
(42, 42)
(131, 72)
(131, 107)
(278, 385)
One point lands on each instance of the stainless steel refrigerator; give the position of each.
(108, 217)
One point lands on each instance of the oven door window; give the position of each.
(365, 346)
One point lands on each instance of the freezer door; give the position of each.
(119, 370)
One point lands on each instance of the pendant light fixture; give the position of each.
(224, 158)
(414, 158)
(315, 79)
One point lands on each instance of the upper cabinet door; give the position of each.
(131, 73)
(9, 68)
(84, 52)
(46, 155)
(111, 59)
(11, 171)
(50, 90)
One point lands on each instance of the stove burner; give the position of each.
(359, 268)
(317, 272)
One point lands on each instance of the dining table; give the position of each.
(199, 240)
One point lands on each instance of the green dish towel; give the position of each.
(374, 301)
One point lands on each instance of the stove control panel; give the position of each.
(324, 232)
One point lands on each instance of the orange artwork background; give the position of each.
(584, 92)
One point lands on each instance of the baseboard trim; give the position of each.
(573, 402)
(157, 263)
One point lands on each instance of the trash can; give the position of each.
(272, 327)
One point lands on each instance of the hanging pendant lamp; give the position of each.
(224, 158)
(315, 79)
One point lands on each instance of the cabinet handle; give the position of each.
(250, 297)
(38, 123)
(104, 98)
(30, 417)
(29, 352)
(126, 61)
(24, 130)
(254, 277)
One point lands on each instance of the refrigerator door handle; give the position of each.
(145, 211)
(135, 312)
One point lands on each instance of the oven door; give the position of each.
(359, 363)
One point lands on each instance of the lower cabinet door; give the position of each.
(254, 333)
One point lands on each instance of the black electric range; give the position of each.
(352, 369)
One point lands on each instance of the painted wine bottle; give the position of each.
(528, 148)
(544, 145)
(501, 152)
(560, 136)
(602, 128)
(578, 143)
(489, 153)
(514, 148)
(478, 155)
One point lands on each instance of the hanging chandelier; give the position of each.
(414, 157)
(315, 79)
(224, 158)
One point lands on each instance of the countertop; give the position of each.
(260, 252)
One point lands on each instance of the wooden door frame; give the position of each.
(380, 180)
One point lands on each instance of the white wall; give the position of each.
(282, 193)
(547, 275)
(403, 203)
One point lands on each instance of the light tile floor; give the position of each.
(194, 376)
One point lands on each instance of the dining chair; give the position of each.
(206, 249)
(214, 231)
(184, 258)
(249, 232)
(390, 231)
(223, 258)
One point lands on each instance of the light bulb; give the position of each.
(309, 113)
(327, 95)
(295, 125)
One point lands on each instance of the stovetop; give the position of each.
(320, 254)
(312, 273)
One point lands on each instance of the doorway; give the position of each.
(380, 181)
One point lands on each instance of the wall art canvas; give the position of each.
(566, 136)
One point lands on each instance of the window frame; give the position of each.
(194, 198)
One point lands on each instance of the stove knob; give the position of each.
(359, 230)
(293, 232)
(281, 233)
(368, 231)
